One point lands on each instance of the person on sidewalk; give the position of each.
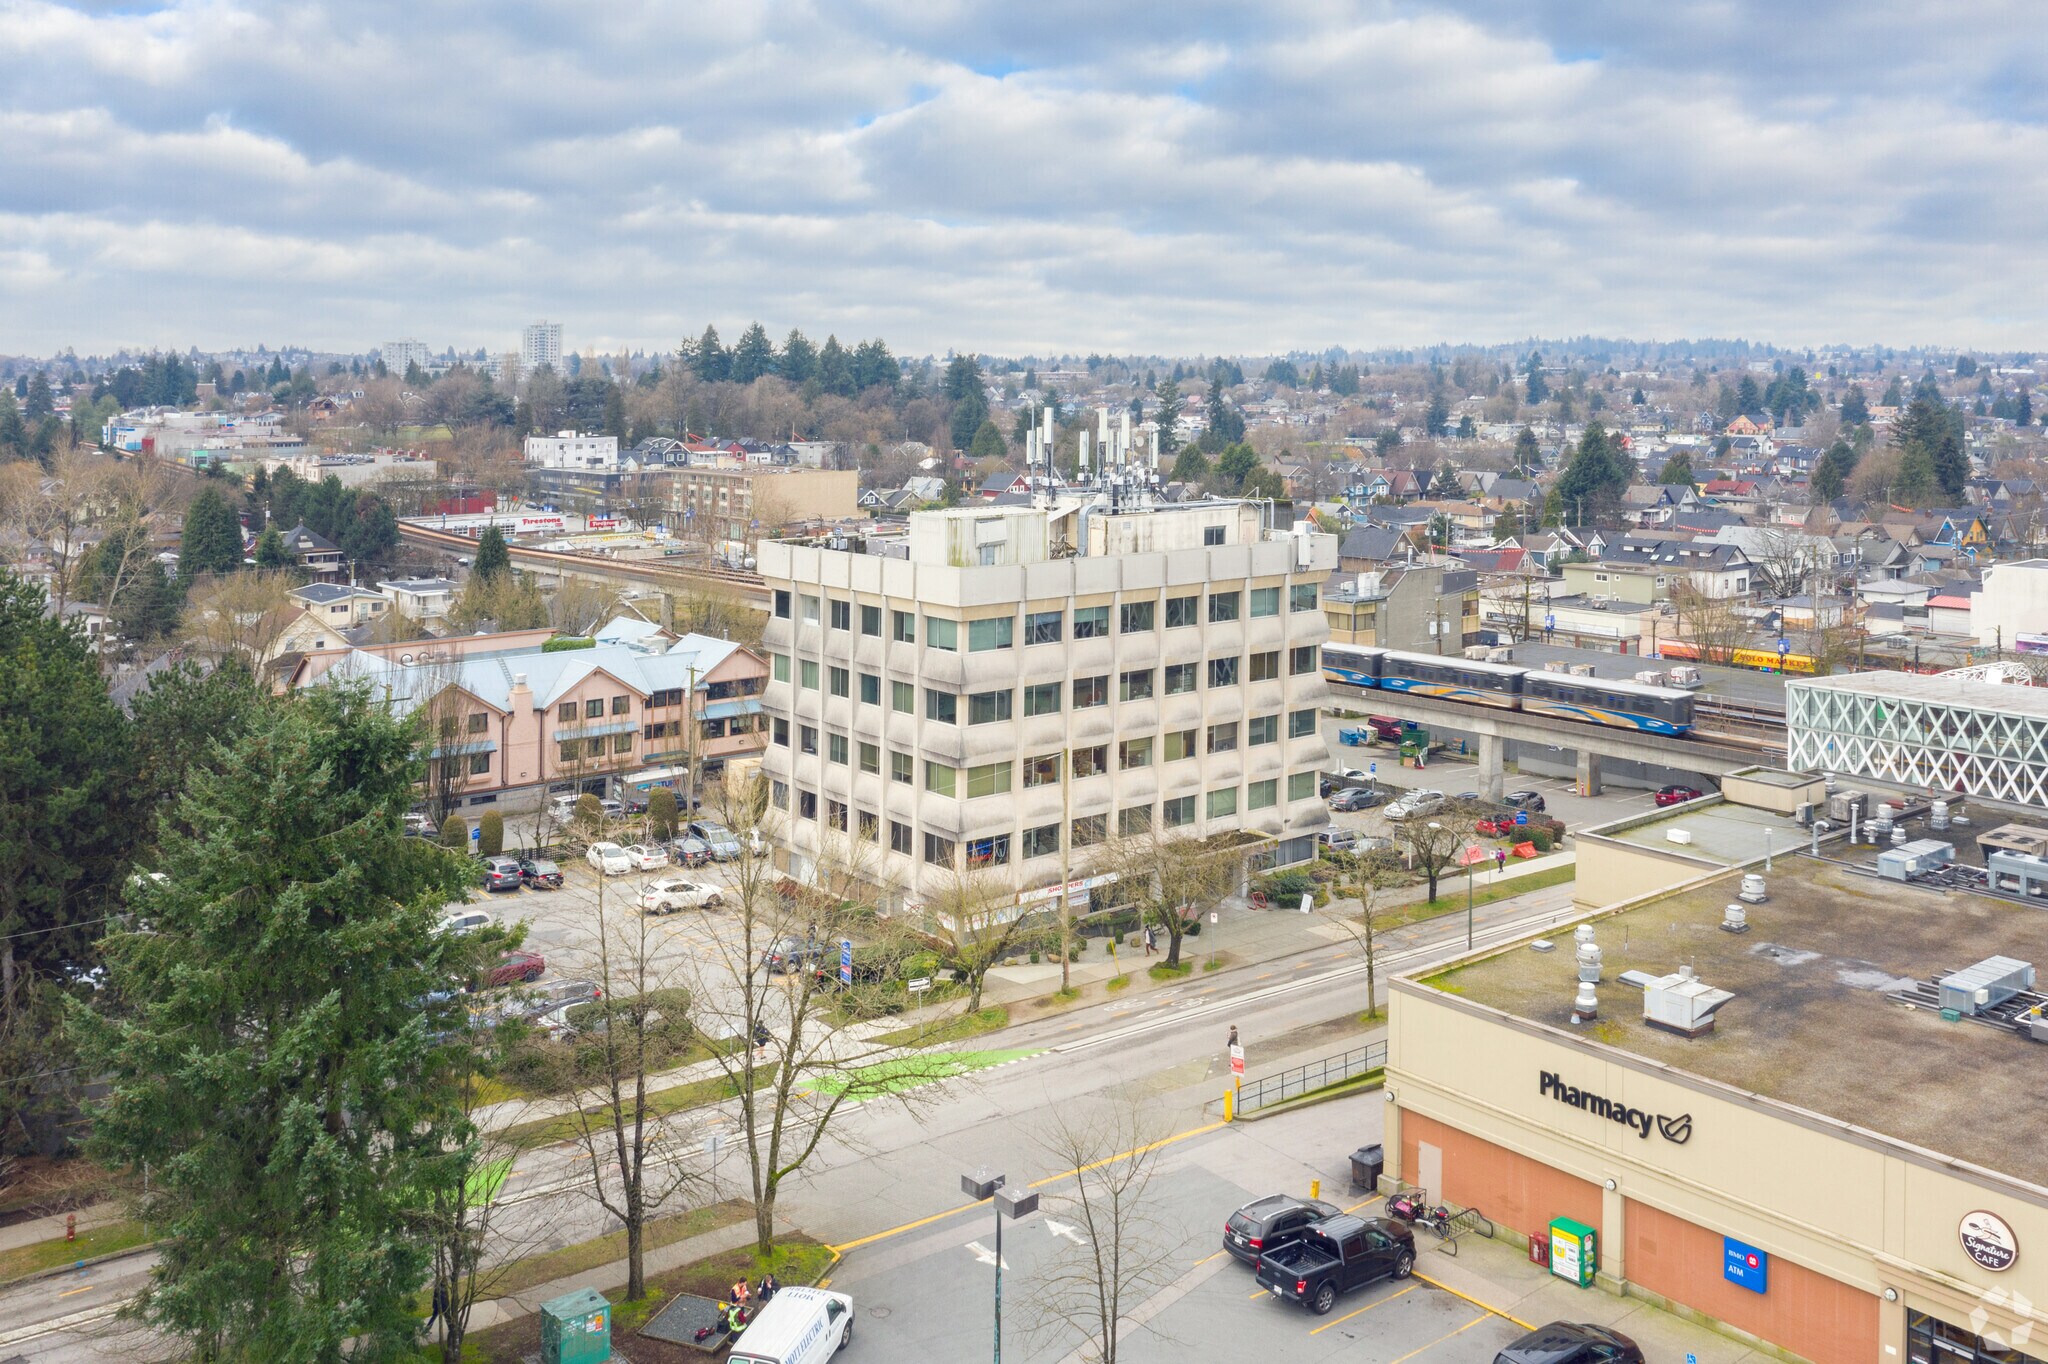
(1500, 859)
(1233, 1036)
(440, 1303)
(1151, 943)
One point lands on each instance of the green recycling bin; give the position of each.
(576, 1328)
(1574, 1251)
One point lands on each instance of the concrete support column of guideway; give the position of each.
(1589, 773)
(1491, 779)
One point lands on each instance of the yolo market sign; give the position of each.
(1676, 1130)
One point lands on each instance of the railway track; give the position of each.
(655, 571)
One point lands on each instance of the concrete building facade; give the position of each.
(744, 501)
(541, 344)
(1007, 690)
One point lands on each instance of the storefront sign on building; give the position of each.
(1676, 1130)
(1989, 1240)
(1745, 1266)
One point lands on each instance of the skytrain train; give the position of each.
(1586, 700)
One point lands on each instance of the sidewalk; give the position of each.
(51, 1228)
(1500, 1278)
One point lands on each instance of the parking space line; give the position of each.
(1484, 1307)
(1447, 1335)
(1257, 1293)
(1367, 1308)
(1205, 1260)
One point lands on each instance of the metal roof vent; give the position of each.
(1682, 1003)
(1585, 1003)
(1752, 892)
(1734, 919)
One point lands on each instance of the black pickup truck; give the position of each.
(1335, 1256)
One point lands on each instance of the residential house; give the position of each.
(1365, 548)
(426, 600)
(1714, 568)
(1430, 607)
(318, 556)
(1948, 613)
(328, 616)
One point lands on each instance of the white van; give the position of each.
(798, 1326)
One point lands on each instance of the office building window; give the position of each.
(778, 663)
(807, 608)
(1042, 841)
(940, 779)
(899, 767)
(1261, 794)
(1089, 830)
(1137, 615)
(942, 706)
(1091, 761)
(1183, 611)
(987, 707)
(1222, 801)
(1091, 691)
(1135, 686)
(835, 748)
(1043, 770)
(835, 815)
(1301, 785)
(994, 633)
(1265, 601)
(989, 779)
(1223, 672)
(781, 604)
(871, 758)
(1042, 699)
(1182, 677)
(1301, 659)
(622, 705)
(871, 621)
(778, 794)
(807, 805)
(903, 629)
(868, 825)
(1134, 753)
(1133, 819)
(1042, 627)
(989, 852)
(839, 680)
(1223, 606)
(903, 698)
(1223, 738)
(1301, 597)
(807, 676)
(1301, 723)
(938, 851)
(479, 764)
(1261, 729)
(841, 614)
(1178, 744)
(1265, 666)
(807, 738)
(480, 723)
(899, 837)
(780, 733)
(1177, 812)
(942, 634)
(1091, 622)
(870, 689)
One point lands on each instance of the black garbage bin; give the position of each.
(1367, 1164)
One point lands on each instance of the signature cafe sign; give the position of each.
(1988, 1239)
(1676, 1130)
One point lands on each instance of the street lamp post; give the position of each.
(985, 1183)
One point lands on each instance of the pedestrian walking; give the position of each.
(1151, 943)
(761, 1039)
(1500, 859)
(440, 1303)
(1233, 1036)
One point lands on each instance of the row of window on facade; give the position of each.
(596, 707)
(1044, 627)
(1047, 698)
(1086, 831)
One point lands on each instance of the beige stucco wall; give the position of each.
(1611, 872)
(1779, 797)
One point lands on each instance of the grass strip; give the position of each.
(994, 1018)
(37, 1256)
(660, 1103)
(584, 1256)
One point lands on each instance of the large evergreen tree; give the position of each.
(754, 356)
(273, 1058)
(1594, 481)
(1855, 407)
(711, 360)
(835, 368)
(493, 557)
(212, 539)
(1831, 473)
(1168, 415)
(799, 358)
(970, 401)
(1932, 463)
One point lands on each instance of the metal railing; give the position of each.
(1292, 1084)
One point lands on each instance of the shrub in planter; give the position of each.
(1541, 838)
(490, 834)
(1034, 956)
(1194, 928)
(455, 832)
(661, 814)
(588, 815)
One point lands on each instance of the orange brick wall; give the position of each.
(1508, 1187)
(1804, 1312)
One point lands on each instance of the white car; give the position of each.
(672, 893)
(646, 857)
(464, 921)
(1416, 803)
(609, 858)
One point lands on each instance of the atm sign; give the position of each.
(1745, 1266)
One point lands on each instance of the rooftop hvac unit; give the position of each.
(1582, 670)
(1991, 981)
(1682, 1003)
(1840, 803)
(1679, 836)
(1498, 654)
(1557, 665)
(1650, 678)
(1476, 653)
(1913, 859)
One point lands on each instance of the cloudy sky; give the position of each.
(1063, 175)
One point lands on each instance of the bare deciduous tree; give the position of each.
(1713, 624)
(974, 921)
(1172, 879)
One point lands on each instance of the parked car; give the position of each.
(1357, 775)
(1472, 797)
(1525, 800)
(537, 873)
(420, 824)
(520, 965)
(1677, 795)
(671, 893)
(691, 852)
(499, 873)
(1338, 840)
(1571, 1342)
(725, 845)
(1416, 802)
(789, 955)
(558, 994)
(1334, 1256)
(609, 858)
(1354, 798)
(1271, 1222)
(464, 921)
(632, 803)
(562, 808)
(871, 966)
(646, 856)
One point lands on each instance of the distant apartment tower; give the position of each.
(399, 355)
(541, 344)
(1008, 689)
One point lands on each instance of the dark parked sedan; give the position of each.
(1677, 795)
(1571, 1342)
(515, 966)
(1354, 798)
(789, 955)
(1524, 800)
(1271, 1222)
(540, 874)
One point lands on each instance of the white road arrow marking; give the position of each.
(984, 1254)
(1059, 1228)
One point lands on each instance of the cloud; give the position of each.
(1195, 176)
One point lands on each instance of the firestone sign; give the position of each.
(1676, 1130)
(1988, 1239)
